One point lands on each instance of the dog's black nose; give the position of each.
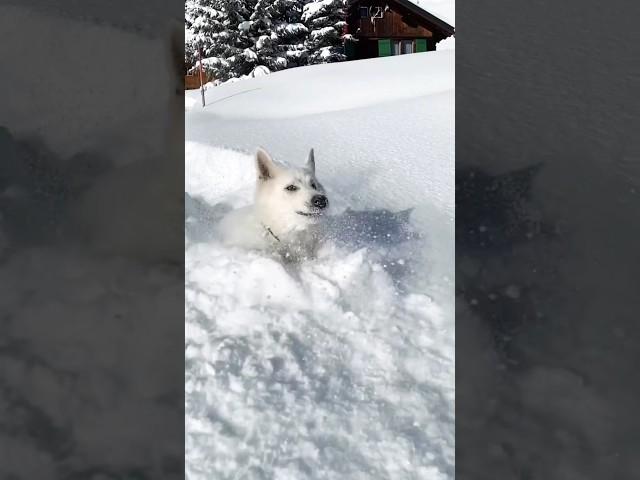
(319, 201)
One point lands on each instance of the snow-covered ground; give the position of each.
(341, 367)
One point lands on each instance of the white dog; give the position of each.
(288, 202)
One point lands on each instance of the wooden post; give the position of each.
(201, 75)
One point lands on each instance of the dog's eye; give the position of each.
(313, 185)
(291, 188)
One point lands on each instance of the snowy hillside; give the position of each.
(341, 367)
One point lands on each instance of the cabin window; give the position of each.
(401, 47)
(421, 44)
(397, 47)
(364, 12)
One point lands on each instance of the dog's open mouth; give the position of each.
(317, 213)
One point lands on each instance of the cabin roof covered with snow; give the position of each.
(440, 24)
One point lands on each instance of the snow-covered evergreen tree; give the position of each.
(242, 57)
(213, 26)
(205, 30)
(251, 37)
(291, 32)
(278, 33)
(325, 20)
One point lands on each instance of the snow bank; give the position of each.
(448, 43)
(341, 367)
(334, 87)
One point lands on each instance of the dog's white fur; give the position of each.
(281, 215)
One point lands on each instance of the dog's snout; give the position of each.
(319, 201)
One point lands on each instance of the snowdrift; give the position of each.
(343, 366)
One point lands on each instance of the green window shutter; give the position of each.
(421, 44)
(384, 47)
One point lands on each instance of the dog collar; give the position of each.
(270, 232)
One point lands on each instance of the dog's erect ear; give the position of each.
(311, 162)
(266, 168)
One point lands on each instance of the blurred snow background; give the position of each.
(89, 360)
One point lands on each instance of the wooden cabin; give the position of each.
(192, 80)
(391, 27)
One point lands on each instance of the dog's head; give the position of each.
(288, 198)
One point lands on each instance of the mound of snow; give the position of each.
(342, 366)
(448, 43)
(332, 87)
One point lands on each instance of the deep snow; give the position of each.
(343, 366)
